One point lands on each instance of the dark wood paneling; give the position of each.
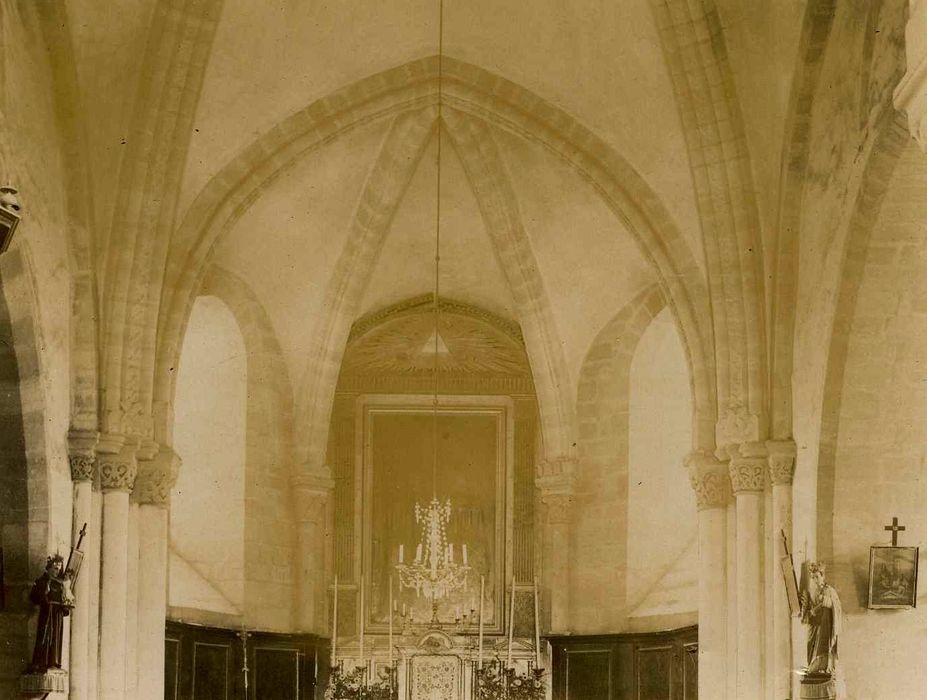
(654, 666)
(206, 663)
(589, 675)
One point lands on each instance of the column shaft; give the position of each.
(113, 591)
(750, 598)
(782, 616)
(152, 600)
(95, 553)
(132, 602)
(80, 616)
(712, 603)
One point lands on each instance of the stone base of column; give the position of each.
(41, 684)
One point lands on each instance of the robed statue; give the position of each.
(52, 593)
(821, 611)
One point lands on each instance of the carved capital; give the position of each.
(747, 474)
(156, 478)
(556, 475)
(116, 463)
(557, 507)
(781, 461)
(709, 479)
(82, 454)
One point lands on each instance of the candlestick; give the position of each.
(362, 619)
(335, 623)
(482, 588)
(392, 604)
(537, 628)
(508, 661)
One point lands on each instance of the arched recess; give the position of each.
(598, 578)
(268, 593)
(207, 554)
(477, 93)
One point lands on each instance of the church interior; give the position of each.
(445, 350)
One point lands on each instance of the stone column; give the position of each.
(82, 458)
(781, 468)
(156, 478)
(554, 481)
(312, 494)
(117, 465)
(712, 486)
(911, 93)
(748, 480)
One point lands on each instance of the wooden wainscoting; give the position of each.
(652, 666)
(206, 663)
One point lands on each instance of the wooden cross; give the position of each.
(895, 528)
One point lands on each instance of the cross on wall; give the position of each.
(895, 528)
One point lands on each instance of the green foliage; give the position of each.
(495, 682)
(354, 685)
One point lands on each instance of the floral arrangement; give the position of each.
(496, 682)
(354, 685)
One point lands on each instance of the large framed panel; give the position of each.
(589, 675)
(395, 449)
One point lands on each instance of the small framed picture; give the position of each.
(893, 577)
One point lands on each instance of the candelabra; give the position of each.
(433, 573)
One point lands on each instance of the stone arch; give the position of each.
(696, 55)
(474, 91)
(498, 204)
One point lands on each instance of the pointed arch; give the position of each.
(476, 92)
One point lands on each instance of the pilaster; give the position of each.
(555, 481)
(312, 492)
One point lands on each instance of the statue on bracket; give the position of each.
(821, 611)
(52, 593)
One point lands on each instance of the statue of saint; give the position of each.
(821, 611)
(52, 593)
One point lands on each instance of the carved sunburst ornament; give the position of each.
(406, 345)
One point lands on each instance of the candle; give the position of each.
(402, 553)
(464, 554)
(508, 662)
(335, 622)
(537, 628)
(361, 616)
(482, 587)
(418, 553)
(392, 606)
(450, 552)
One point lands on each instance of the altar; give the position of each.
(436, 664)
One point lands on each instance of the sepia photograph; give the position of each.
(463, 349)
